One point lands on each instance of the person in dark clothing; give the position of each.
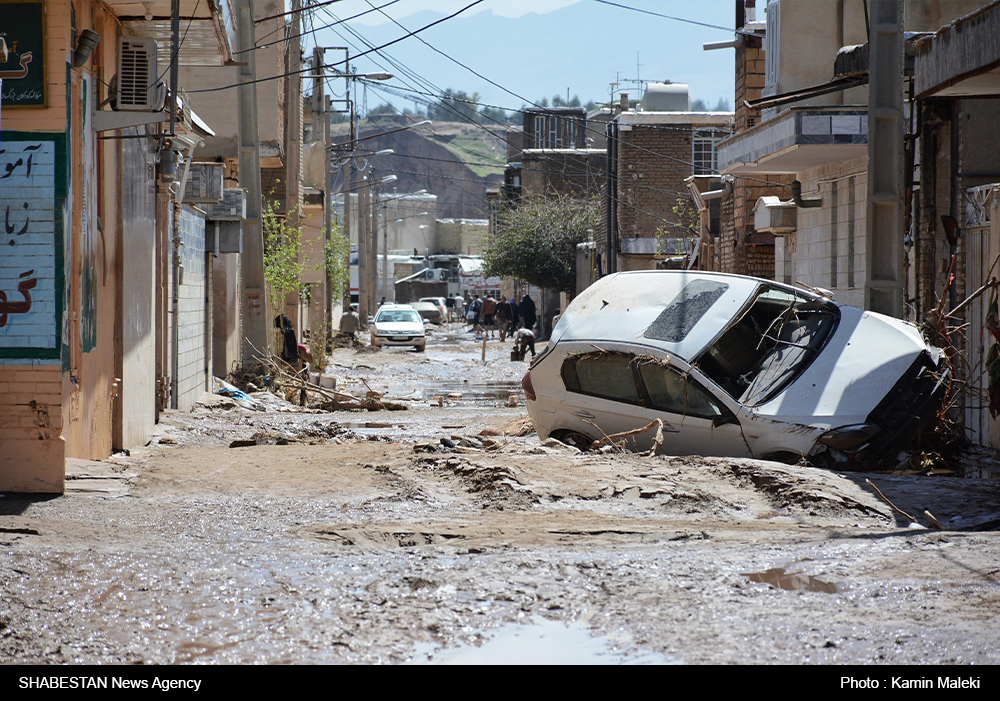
(503, 318)
(290, 351)
(515, 315)
(527, 308)
(290, 344)
(477, 307)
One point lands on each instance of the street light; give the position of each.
(366, 248)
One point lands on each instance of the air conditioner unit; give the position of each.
(204, 183)
(233, 206)
(139, 88)
(436, 274)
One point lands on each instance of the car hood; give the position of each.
(857, 368)
(399, 326)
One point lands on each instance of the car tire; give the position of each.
(419, 349)
(573, 439)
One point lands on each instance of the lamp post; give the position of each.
(366, 247)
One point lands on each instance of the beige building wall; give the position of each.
(828, 249)
(465, 237)
(57, 402)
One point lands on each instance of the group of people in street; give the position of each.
(498, 318)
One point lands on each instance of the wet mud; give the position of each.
(340, 538)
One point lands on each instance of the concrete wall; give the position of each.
(465, 237)
(218, 109)
(828, 249)
(192, 361)
(225, 313)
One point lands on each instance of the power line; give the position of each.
(333, 65)
(657, 14)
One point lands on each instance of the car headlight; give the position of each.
(850, 437)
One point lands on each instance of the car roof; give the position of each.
(621, 307)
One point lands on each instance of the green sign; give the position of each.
(22, 27)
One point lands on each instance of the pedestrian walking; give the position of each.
(489, 311)
(503, 319)
(527, 307)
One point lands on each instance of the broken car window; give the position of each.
(604, 374)
(643, 381)
(672, 392)
(774, 340)
(680, 316)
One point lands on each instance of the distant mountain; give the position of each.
(454, 161)
(584, 47)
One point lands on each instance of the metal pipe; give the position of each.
(797, 197)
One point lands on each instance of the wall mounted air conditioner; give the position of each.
(437, 274)
(138, 85)
(204, 183)
(233, 206)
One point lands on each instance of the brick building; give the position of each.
(652, 150)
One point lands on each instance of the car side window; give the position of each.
(606, 375)
(675, 393)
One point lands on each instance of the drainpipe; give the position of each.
(175, 291)
(797, 197)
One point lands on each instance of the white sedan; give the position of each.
(398, 325)
(733, 366)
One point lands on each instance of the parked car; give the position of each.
(439, 302)
(430, 312)
(734, 366)
(398, 325)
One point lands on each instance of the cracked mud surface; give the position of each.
(360, 549)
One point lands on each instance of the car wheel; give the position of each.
(574, 439)
(419, 349)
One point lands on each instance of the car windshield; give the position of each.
(397, 316)
(769, 344)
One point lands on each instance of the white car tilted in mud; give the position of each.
(733, 366)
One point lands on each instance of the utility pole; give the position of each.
(348, 165)
(321, 127)
(293, 131)
(373, 259)
(252, 259)
(363, 237)
(884, 291)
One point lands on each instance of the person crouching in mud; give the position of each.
(524, 340)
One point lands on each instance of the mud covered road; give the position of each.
(354, 544)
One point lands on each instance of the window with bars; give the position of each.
(704, 152)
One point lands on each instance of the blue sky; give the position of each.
(524, 50)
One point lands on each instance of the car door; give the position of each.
(696, 421)
(601, 389)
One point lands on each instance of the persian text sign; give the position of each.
(22, 27)
(30, 233)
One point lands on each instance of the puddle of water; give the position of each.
(792, 581)
(538, 642)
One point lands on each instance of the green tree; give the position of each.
(284, 262)
(536, 240)
(282, 249)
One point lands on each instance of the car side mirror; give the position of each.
(726, 418)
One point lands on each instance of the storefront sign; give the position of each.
(22, 27)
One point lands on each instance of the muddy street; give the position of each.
(361, 537)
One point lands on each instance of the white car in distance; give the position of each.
(398, 325)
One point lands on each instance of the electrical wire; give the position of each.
(657, 14)
(333, 65)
